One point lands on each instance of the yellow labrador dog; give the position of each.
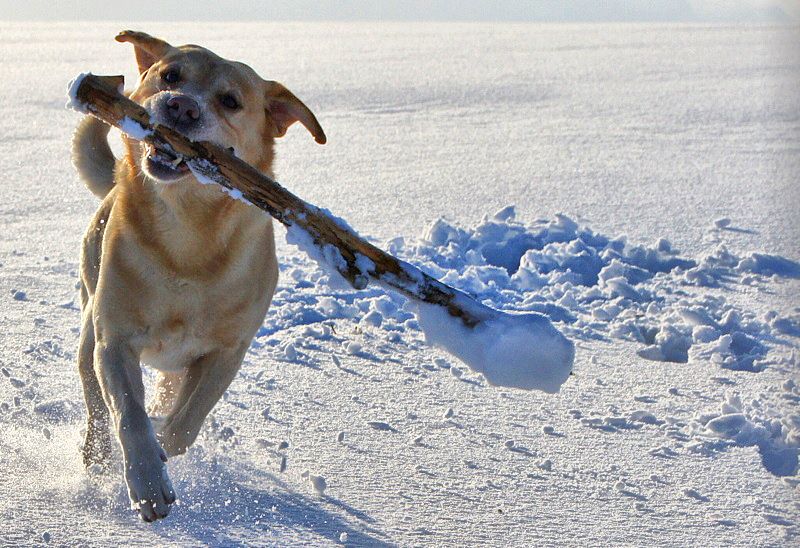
(174, 274)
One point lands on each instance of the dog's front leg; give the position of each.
(149, 486)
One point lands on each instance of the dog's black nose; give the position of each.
(182, 109)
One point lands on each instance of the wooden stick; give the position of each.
(101, 96)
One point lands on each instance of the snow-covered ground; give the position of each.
(653, 173)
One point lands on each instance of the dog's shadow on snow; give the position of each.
(223, 503)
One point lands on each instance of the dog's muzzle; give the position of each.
(182, 113)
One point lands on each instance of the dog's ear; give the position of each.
(147, 48)
(285, 109)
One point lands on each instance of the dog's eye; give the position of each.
(171, 76)
(229, 101)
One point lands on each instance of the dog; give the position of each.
(174, 274)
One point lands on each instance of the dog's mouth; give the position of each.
(167, 166)
(164, 166)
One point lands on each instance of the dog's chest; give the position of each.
(171, 356)
(174, 345)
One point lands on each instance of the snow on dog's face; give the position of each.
(208, 98)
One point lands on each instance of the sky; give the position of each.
(406, 10)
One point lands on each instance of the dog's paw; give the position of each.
(173, 445)
(170, 440)
(149, 486)
(174, 441)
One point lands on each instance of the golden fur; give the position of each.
(174, 274)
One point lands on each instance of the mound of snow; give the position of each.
(606, 286)
(762, 424)
(594, 285)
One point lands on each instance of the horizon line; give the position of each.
(714, 21)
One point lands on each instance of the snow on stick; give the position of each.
(513, 350)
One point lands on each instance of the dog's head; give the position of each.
(209, 98)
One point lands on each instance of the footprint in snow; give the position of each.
(598, 423)
(536, 477)
(655, 478)
(725, 381)
(513, 447)
(695, 494)
(632, 494)
(778, 520)
(19, 384)
(551, 431)
(381, 426)
(724, 222)
(718, 519)
(19, 295)
(664, 452)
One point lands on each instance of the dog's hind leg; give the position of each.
(165, 395)
(97, 442)
(205, 382)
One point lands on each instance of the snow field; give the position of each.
(649, 139)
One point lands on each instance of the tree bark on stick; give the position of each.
(101, 96)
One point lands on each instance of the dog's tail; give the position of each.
(92, 156)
